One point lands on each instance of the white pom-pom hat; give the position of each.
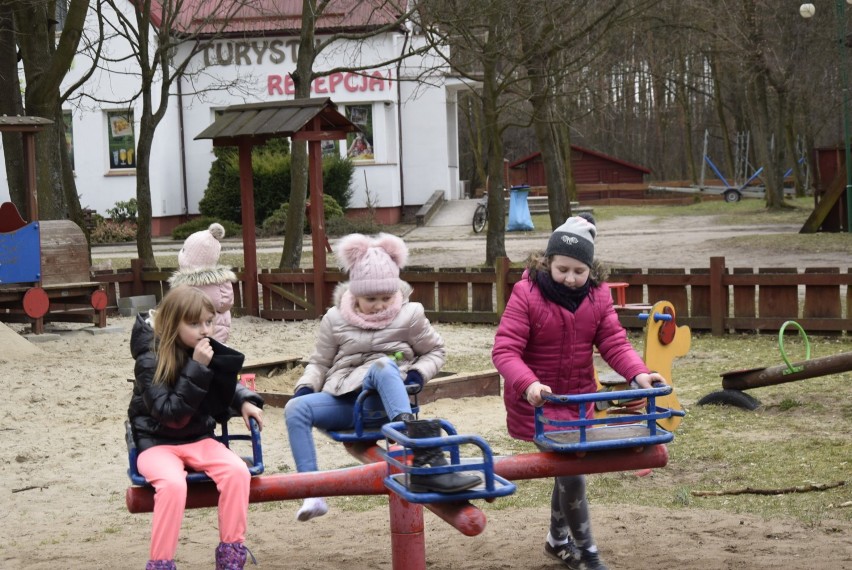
(373, 264)
(202, 248)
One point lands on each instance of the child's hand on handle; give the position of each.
(203, 352)
(249, 410)
(533, 393)
(651, 380)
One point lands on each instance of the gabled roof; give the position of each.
(576, 148)
(279, 17)
(260, 122)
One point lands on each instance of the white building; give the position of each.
(411, 146)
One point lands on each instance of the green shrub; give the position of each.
(109, 231)
(271, 179)
(183, 231)
(361, 225)
(276, 223)
(337, 179)
(123, 211)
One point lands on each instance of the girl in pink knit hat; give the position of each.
(373, 338)
(198, 262)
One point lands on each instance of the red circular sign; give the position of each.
(99, 300)
(36, 303)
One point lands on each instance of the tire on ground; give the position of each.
(736, 398)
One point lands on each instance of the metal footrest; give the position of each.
(589, 434)
(400, 468)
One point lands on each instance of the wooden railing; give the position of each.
(717, 299)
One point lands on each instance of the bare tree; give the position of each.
(383, 16)
(165, 38)
(46, 62)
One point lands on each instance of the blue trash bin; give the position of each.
(520, 219)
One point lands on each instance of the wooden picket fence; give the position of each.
(716, 298)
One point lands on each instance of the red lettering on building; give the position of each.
(351, 82)
(273, 85)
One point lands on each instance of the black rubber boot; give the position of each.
(404, 417)
(434, 457)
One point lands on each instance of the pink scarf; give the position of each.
(375, 321)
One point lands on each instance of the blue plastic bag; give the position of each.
(519, 210)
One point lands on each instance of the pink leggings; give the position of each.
(163, 467)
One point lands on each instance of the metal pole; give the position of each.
(840, 6)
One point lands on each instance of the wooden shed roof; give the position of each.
(260, 122)
(521, 162)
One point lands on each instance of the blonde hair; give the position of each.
(183, 304)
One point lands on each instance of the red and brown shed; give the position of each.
(589, 166)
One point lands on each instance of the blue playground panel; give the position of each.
(610, 432)
(20, 255)
(399, 459)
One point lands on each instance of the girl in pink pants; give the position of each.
(185, 381)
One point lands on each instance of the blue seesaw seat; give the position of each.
(368, 424)
(254, 462)
(400, 468)
(610, 432)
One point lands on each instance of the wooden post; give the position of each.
(317, 221)
(250, 296)
(501, 276)
(30, 169)
(718, 296)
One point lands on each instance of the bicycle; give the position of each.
(480, 215)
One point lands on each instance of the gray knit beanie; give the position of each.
(575, 238)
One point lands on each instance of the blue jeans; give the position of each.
(334, 413)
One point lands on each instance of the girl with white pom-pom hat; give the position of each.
(198, 262)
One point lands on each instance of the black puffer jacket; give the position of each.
(187, 410)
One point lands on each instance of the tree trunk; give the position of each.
(291, 255)
(144, 213)
(11, 105)
(45, 64)
(495, 239)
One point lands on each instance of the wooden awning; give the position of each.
(246, 126)
(259, 122)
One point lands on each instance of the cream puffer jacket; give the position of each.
(344, 352)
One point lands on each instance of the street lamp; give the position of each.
(807, 10)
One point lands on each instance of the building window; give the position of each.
(122, 155)
(69, 135)
(330, 148)
(359, 146)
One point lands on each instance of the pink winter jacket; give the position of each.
(540, 340)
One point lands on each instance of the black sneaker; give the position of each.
(589, 561)
(566, 553)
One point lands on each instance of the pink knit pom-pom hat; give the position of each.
(202, 248)
(373, 264)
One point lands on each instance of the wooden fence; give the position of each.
(717, 298)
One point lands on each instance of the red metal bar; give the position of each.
(361, 480)
(539, 465)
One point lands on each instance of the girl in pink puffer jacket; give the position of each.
(558, 313)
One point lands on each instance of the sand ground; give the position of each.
(63, 458)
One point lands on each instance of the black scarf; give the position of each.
(560, 294)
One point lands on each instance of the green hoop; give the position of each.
(803, 334)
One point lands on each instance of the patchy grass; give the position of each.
(801, 435)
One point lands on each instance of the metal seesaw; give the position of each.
(385, 470)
